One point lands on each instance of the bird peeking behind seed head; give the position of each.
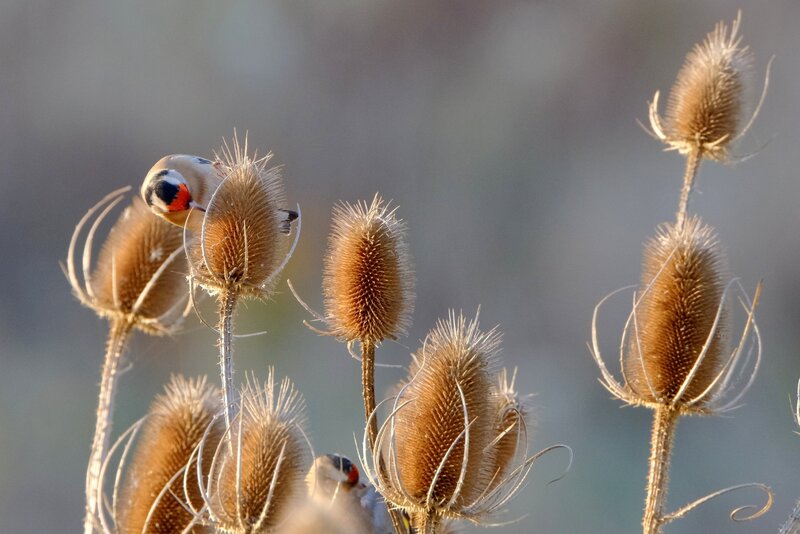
(334, 482)
(332, 473)
(181, 185)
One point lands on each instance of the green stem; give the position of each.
(665, 420)
(118, 336)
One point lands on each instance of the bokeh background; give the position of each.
(505, 131)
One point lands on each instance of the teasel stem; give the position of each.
(227, 306)
(665, 420)
(368, 392)
(792, 525)
(693, 159)
(118, 335)
(368, 388)
(427, 523)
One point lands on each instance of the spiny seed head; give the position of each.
(368, 276)
(177, 421)
(449, 397)
(270, 451)
(680, 316)
(139, 276)
(510, 433)
(705, 105)
(240, 246)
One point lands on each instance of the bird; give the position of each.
(180, 185)
(334, 481)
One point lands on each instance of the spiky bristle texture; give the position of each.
(272, 455)
(177, 421)
(136, 247)
(705, 103)
(456, 354)
(683, 280)
(368, 276)
(510, 429)
(241, 245)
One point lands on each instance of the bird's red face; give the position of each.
(346, 468)
(181, 199)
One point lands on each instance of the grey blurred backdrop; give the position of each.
(506, 133)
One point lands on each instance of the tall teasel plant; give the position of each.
(455, 444)
(137, 283)
(250, 487)
(159, 488)
(675, 353)
(368, 285)
(241, 246)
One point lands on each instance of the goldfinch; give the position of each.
(180, 184)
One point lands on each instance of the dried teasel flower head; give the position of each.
(441, 435)
(705, 105)
(139, 277)
(154, 497)
(677, 335)
(511, 426)
(251, 487)
(368, 279)
(242, 245)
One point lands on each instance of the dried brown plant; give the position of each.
(251, 486)
(704, 109)
(511, 429)
(138, 282)
(242, 245)
(444, 449)
(368, 283)
(682, 321)
(675, 356)
(154, 497)
(368, 277)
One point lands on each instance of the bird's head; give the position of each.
(168, 192)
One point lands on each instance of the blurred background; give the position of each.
(505, 131)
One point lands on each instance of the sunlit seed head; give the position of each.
(270, 451)
(240, 246)
(706, 102)
(139, 276)
(368, 276)
(511, 429)
(680, 315)
(178, 419)
(450, 391)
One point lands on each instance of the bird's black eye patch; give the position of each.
(341, 463)
(165, 191)
(204, 161)
(162, 173)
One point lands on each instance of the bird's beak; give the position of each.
(196, 206)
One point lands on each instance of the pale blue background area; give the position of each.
(506, 133)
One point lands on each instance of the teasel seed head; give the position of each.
(680, 316)
(675, 349)
(368, 279)
(242, 246)
(139, 277)
(154, 497)
(511, 425)
(706, 102)
(265, 474)
(442, 425)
